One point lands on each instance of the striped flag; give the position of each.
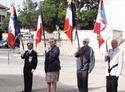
(13, 29)
(39, 24)
(101, 26)
(70, 22)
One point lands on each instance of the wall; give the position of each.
(68, 49)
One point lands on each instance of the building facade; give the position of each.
(3, 14)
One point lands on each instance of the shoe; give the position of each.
(26, 91)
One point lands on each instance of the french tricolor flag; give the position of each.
(69, 21)
(13, 29)
(39, 25)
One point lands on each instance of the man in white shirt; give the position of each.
(114, 62)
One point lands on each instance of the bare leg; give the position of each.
(48, 86)
(54, 86)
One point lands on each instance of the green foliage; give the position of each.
(49, 16)
(86, 19)
(53, 14)
(5, 22)
(86, 13)
(28, 15)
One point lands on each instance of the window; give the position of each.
(0, 19)
(3, 17)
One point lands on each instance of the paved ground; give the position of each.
(11, 76)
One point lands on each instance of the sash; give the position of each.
(113, 54)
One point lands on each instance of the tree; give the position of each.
(53, 14)
(5, 22)
(86, 12)
(28, 15)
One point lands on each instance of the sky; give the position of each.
(115, 13)
(16, 2)
(8, 2)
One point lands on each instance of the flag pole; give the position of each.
(77, 37)
(22, 41)
(108, 59)
(19, 35)
(40, 31)
(74, 9)
(43, 29)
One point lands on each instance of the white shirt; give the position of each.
(30, 51)
(116, 57)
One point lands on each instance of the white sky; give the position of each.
(115, 13)
(16, 2)
(8, 2)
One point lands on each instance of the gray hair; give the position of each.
(86, 39)
(52, 39)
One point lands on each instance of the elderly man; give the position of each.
(85, 63)
(114, 64)
(30, 64)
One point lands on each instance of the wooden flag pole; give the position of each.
(44, 37)
(19, 35)
(81, 57)
(108, 59)
(22, 41)
(77, 37)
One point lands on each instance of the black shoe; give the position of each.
(26, 91)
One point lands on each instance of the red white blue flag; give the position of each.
(13, 29)
(39, 25)
(101, 27)
(70, 22)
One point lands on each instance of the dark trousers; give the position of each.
(111, 83)
(82, 80)
(28, 76)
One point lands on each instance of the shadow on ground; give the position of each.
(95, 88)
(14, 83)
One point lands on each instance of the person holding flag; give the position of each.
(115, 56)
(85, 63)
(30, 63)
(13, 30)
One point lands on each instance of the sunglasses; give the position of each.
(84, 42)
